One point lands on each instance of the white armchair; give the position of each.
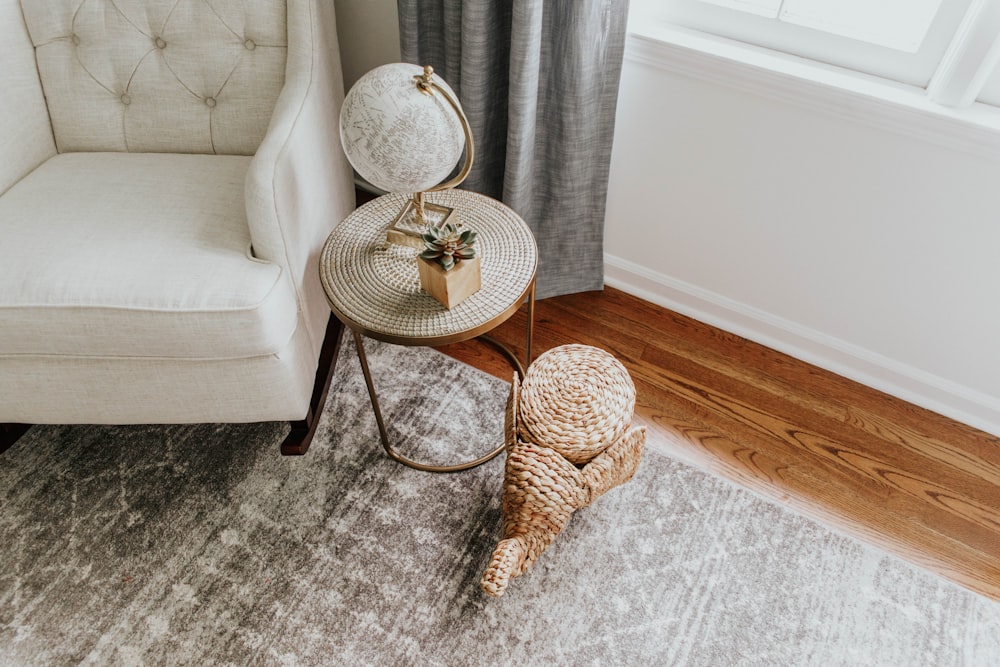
(170, 170)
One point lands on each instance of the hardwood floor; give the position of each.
(907, 480)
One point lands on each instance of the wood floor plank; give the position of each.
(907, 480)
(823, 433)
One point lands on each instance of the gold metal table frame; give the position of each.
(385, 304)
(503, 349)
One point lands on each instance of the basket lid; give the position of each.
(577, 400)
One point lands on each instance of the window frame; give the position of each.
(940, 53)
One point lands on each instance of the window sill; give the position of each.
(823, 88)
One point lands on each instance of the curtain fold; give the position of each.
(539, 84)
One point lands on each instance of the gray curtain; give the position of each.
(538, 80)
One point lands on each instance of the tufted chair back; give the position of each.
(179, 76)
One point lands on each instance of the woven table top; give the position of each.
(374, 286)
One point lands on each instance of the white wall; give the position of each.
(368, 31)
(823, 230)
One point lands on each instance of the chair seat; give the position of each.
(137, 255)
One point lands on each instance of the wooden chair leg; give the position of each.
(9, 434)
(301, 435)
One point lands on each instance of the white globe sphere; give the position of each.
(399, 138)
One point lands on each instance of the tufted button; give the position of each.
(250, 45)
(160, 44)
(210, 102)
(126, 99)
(76, 39)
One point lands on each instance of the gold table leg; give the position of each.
(383, 434)
(531, 325)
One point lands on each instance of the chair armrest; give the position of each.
(300, 184)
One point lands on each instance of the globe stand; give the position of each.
(409, 226)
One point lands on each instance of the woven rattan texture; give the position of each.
(541, 487)
(576, 399)
(376, 286)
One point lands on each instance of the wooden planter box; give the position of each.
(450, 287)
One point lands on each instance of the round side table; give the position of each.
(373, 287)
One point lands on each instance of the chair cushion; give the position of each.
(142, 255)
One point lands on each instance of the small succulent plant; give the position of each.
(447, 246)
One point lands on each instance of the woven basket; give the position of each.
(568, 442)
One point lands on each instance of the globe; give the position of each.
(397, 137)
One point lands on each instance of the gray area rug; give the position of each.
(200, 545)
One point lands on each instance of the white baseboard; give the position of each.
(888, 375)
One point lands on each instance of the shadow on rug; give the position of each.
(201, 545)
